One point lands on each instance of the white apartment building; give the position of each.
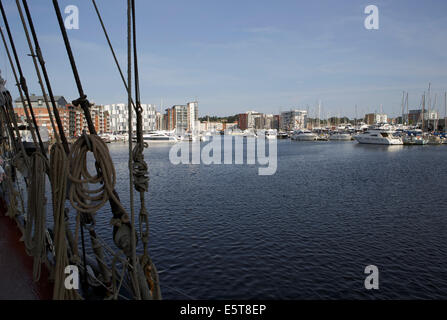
(251, 118)
(119, 120)
(293, 120)
(193, 115)
(381, 118)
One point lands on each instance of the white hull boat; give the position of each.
(159, 137)
(304, 135)
(340, 137)
(377, 136)
(271, 134)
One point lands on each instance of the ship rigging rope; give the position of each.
(135, 273)
(12, 193)
(47, 80)
(6, 101)
(8, 182)
(141, 178)
(139, 165)
(112, 50)
(39, 77)
(5, 111)
(35, 241)
(22, 82)
(124, 232)
(59, 167)
(20, 160)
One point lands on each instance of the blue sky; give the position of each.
(235, 56)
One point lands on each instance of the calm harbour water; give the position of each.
(306, 232)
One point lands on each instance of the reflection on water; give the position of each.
(306, 232)
(383, 148)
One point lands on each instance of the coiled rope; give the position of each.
(82, 198)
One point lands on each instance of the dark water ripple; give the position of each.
(307, 232)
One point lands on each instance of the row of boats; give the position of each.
(380, 134)
(375, 135)
(171, 136)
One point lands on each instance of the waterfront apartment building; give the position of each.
(78, 124)
(160, 121)
(193, 115)
(229, 125)
(247, 120)
(415, 116)
(42, 115)
(267, 121)
(100, 118)
(261, 122)
(211, 126)
(375, 118)
(181, 118)
(293, 120)
(118, 117)
(242, 121)
(177, 118)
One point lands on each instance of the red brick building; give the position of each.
(243, 121)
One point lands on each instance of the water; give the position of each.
(307, 232)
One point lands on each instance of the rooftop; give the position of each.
(35, 98)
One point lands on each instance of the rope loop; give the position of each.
(81, 197)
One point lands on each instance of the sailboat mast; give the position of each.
(406, 101)
(423, 110)
(403, 101)
(319, 106)
(435, 121)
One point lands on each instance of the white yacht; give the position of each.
(205, 136)
(270, 134)
(159, 136)
(340, 136)
(282, 135)
(304, 135)
(249, 133)
(377, 136)
(122, 137)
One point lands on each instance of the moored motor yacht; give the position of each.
(249, 133)
(378, 136)
(205, 136)
(282, 135)
(271, 134)
(304, 135)
(340, 136)
(159, 136)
